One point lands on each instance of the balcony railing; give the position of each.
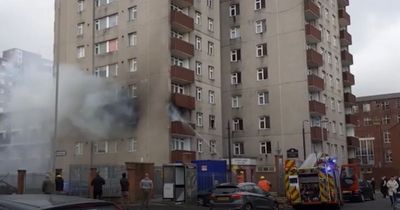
(181, 22)
(349, 99)
(348, 79)
(353, 142)
(347, 58)
(318, 134)
(182, 75)
(313, 34)
(315, 83)
(343, 3)
(183, 156)
(182, 3)
(180, 128)
(311, 10)
(314, 59)
(183, 101)
(345, 38)
(351, 119)
(317, 108)
(181, 49)
(344, 18)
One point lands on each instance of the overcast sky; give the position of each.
(375, 27)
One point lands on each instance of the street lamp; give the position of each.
(304, 140)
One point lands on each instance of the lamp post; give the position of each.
(229, 153)
(304, 140)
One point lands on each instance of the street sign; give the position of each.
(61, 153)
(292, 153)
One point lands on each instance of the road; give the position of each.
(378, 204)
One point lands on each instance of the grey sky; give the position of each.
(375, 27)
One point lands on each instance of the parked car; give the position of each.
(244, 196)
(52, 202)
(361, 194)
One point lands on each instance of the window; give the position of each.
(259, 4)
(132, 65)
(264, 122)
(131, 144)
(339, 106)
(235, 32)
(132, 91)
(236, 101)
(355, 109)
(106, 47)
(333, 127)
(200, 145)
(210, 3)
(263, 98)
(199, 119)
(106, 71)
(238, 148)
(80, 29)
(105, 147)
(261, 26)
(210, 49)
(132, 13)
(234, 10)
(265, 147)
(237, 124)
(334, 40)
(78, 148)
(386, 120)
(213, 146)
(262, 73)
(81, 51)
(236, 78)
(211, 97)
(80, 5)
(367, 121)
(398, 118)
(338, 84)
(197, 18)
(211, 121)
(103, 2)
(333, 104)
(198, 43)
(211, 73)
(210, 24)
(178, 88)
(198, 93)
(366, 107)
(261, 50)
(326, 14)
(386, 105)
(341, 128)
(198, 68)
(235, 55)
(132, 37)
(388, 156)
(106, 22)
(176, 61)
(386, 136)
(178, 144)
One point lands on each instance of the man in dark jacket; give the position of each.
(47, 185)
(59, 183)
(97, 184)
(124, 183)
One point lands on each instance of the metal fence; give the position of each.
(33, 183)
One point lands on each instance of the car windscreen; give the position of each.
(225, 190)
(93, 206)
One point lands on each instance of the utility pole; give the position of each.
(304, 141)
(229, 153)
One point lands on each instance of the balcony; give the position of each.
(183, 101)
(345, 38)
(318, 134)
(313, 34)
(182, 75)
(353, 142)
(315, 83)
(347, 58)
(181, 22)
(343, 3)
(317, 108)
(181, 49)
(182, 156)
(351, 119)
(311, 10)
(180, 128)
(182, 3)
(344, 18)
(314, 59)
(348, 79)
(354, 161)
(349, 99)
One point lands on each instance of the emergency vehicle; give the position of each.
(315, 183)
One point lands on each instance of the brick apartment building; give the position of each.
(378, 119)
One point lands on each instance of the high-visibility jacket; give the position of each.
(264, 185)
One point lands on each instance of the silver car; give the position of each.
(244, 196)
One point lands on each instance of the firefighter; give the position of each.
(264, 184)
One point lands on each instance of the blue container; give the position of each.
(210, 173)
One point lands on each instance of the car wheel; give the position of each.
(200, 201)
(248, 207)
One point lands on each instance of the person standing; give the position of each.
(59, 183)
(392, 189)
(124, 183)
(47, 185)
(240, 177)
(146, 185)
(264, 184)
(373, 184)
(384, 188)
(97, 184)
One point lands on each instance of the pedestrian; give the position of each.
(264, 184)
(97, 184)
(146, 185)
(373, 184)
(124, 183)
(240, 177)
(47, 185)
(392, 189)
(384, 189)
(59, 183)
